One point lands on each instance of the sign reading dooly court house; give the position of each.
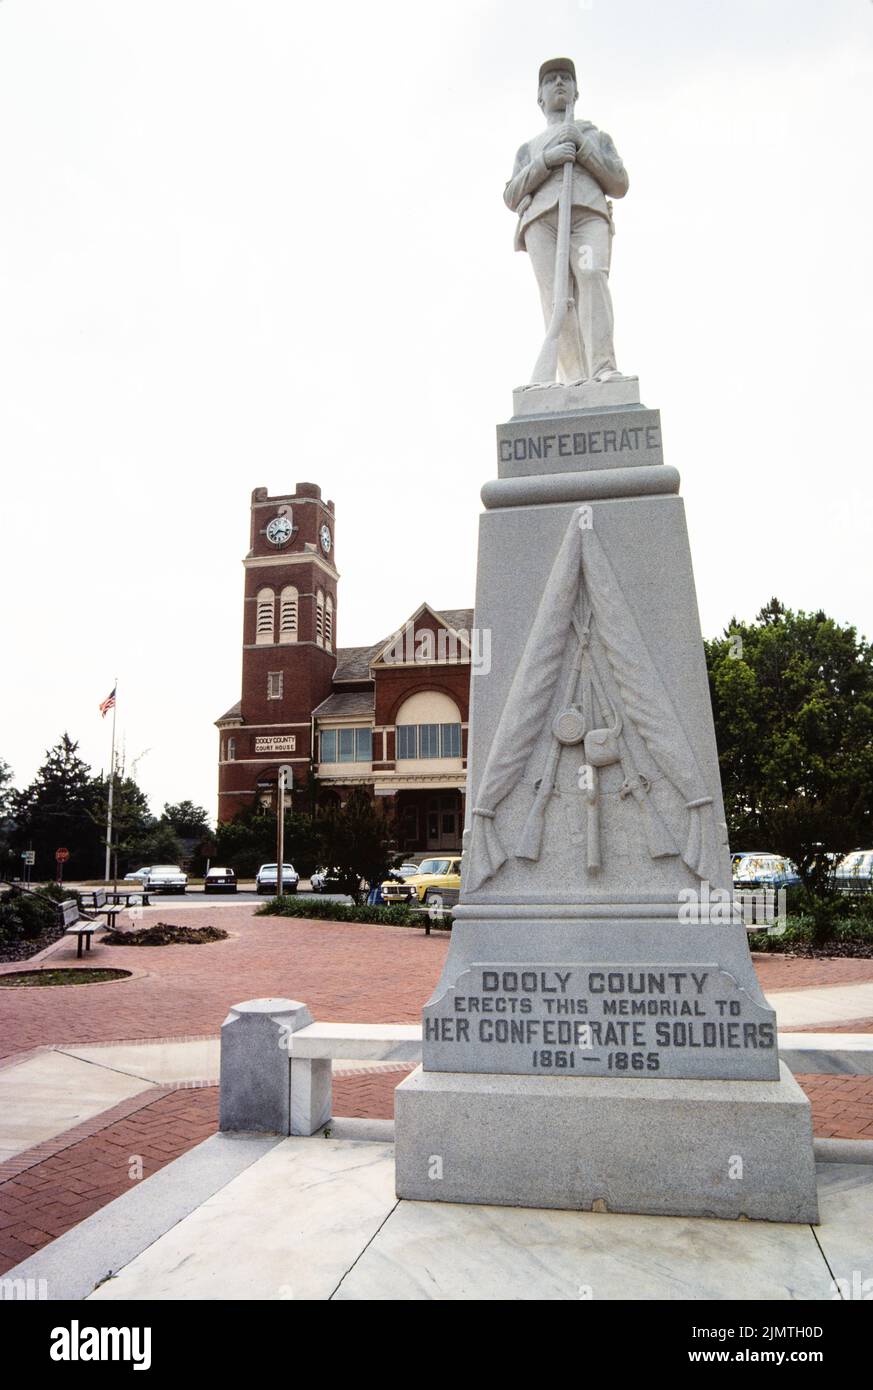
(275, 743)
(677, 1020)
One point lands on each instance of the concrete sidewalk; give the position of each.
(824, 1004)
(244, 1217)
(44, 1096)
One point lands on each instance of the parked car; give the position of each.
(763, 870)
(219, 881)
(325, 881)
(436, 883)
(137, 876)
(165, 878)
(854, 873)
(405, 870)
(267, 879)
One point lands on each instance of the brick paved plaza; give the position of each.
(344, 972)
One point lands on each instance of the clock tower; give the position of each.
(289, 645)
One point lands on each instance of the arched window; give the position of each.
(428, 726)
(231, 749)
(265, 618)
(328, 622)
(319, 618)
(288, 614)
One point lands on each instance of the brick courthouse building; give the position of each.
(390, 718)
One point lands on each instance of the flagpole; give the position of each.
(111, 785)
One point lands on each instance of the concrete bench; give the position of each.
(314, 1049)
(830, 1054)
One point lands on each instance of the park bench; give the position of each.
(95, 900)
(75, 923)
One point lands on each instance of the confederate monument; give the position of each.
(598, 1035)
(559, 189)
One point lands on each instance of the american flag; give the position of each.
(109, 703)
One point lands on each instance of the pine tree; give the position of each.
(57, 810)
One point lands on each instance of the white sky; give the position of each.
(251, 243)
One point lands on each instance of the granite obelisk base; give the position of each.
(662, 1148)
(598, 1035)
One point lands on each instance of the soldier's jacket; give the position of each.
(535, 189)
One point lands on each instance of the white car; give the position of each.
(854, 873)
(165, 878)
(267, 879)
(137, 876)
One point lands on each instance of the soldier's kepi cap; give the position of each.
(558, 65)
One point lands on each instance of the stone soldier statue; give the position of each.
(584, 343)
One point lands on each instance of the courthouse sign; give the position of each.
(275, 743)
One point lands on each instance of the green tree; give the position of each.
(57, 809)
(186, 819)
(7, 821)
(792, 697)
(358, 841)
(249, 840)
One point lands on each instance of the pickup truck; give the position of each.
(436, 885)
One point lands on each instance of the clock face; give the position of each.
(324, 537)
(279, 530)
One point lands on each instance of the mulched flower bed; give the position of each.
(29, 946)
(163, 934)
(853, 950)
(27, 979)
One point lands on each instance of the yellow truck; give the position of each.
(435, 885)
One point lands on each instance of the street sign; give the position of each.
(29, 856)
(62, 855)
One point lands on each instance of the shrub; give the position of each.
(851, 936)
(328, 911)
(24, 916)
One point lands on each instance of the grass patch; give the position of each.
(19, 979)
(322, 910)
(163, 934)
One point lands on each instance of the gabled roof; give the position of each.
(235, 712)
(453, 619)
(353, 663)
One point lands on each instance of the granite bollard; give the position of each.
(256, 1066)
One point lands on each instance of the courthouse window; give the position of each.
(346, 745)
(428, 740)
(274, 685)
(450, 740)
(407, 740)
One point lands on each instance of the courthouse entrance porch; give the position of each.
(430, 819)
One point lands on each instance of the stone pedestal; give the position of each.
(662, 1148)
(598, 1024)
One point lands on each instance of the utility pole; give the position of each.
(111, 787)
(280, 831)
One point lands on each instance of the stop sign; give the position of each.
(62, 855)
